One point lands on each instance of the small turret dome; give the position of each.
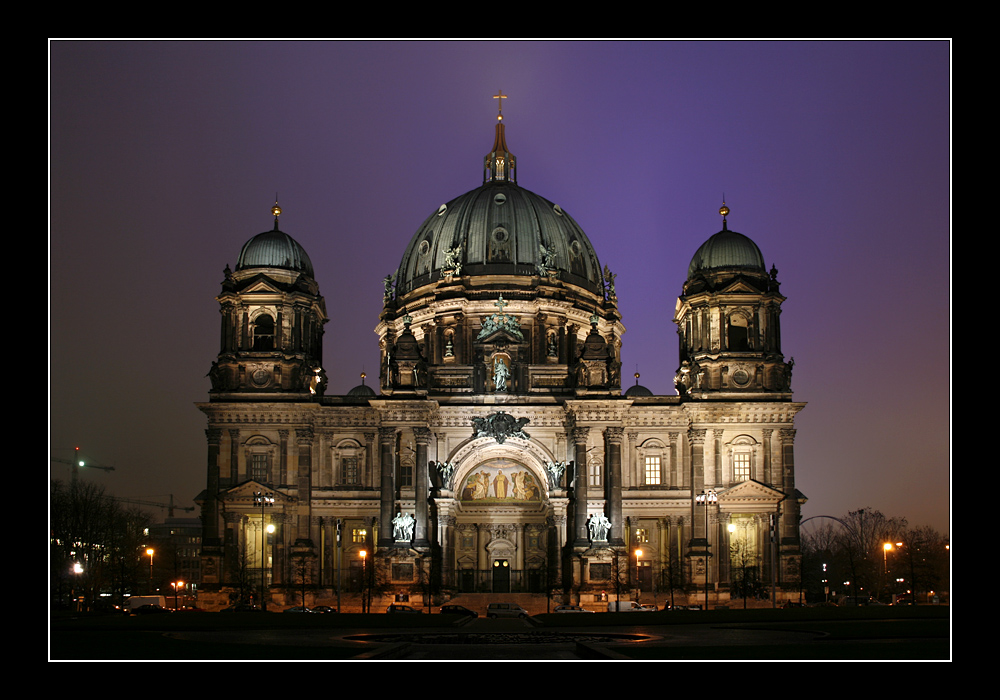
(727, 250)
(362, 390)
(274, 249)
(637, 389)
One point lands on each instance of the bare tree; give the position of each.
(94, 544)
(923, 559)
(865, 532)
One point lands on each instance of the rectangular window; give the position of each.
(349, 466)
(741, 466)
(406, 475)
(595, 474)
(641, 535)
(258, 468)
(359, 535)
(652, 474)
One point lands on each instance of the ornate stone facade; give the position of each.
(500, 454)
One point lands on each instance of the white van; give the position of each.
(495, 610)
(624, 606)
(137, 600)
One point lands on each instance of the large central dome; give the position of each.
(499, 229)
(500, 292)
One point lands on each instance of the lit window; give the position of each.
(741, 466)
(641, 535)
(652, 471)
(359, 535)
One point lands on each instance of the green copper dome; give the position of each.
(500, 229)
(274, 248)
(727, 250)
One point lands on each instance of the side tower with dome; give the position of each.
(496, 453)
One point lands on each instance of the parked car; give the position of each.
(240, 607)
(324, 609)
(397, 608)
(149, 609)
(571, 609)
(458, 610)
(298, 609)
(495, 610)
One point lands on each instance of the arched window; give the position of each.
(263, 333)
(742, 462)
(652, 460)
(739, 333)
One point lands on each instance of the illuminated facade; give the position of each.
(499, 453)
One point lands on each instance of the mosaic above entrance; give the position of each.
(500, 481)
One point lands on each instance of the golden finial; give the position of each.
(723, 210)
(636, 377)
(500, 96)
(276, 210)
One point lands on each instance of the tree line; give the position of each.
(96, 545)
(867, 556)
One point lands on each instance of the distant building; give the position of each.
(499, 452)
(177, 557)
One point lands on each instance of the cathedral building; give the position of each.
(497, 452)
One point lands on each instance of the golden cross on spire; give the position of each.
(500, 96)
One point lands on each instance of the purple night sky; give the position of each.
(834, 158)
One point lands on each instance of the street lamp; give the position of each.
(638, 589)
(149, 551)
(177, 585)
(706, 498)
(264, 500)
(364, 577)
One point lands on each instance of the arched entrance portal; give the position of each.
(505, 539)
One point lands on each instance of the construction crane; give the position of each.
(169, 506)
(78, 462)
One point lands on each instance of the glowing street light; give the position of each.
(149, 551)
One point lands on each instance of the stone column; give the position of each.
(232, 477)
(304, 443)
(581, 538)
(613, 488)
(366, 478)
(387, 444)
(696, 471)
(629, 475)
(210, 509)
(420, 484)
(790, 506)
(717, 453)
(283, 457)
(767, 477)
